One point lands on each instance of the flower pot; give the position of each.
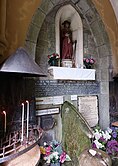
(88, 67)
(67, 63)
(55, 164)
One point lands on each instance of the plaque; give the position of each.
(88, 107)
(48, 111)
(73, 97)
(55, 100)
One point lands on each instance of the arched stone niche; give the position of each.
(67, 12)
(100, 48)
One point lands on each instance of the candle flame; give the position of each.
(22, 103)
(27, 101)
(4, 112)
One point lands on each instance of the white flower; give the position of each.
(45, 143)
(47, 159)
(97, 135)
(109, 130)
(54, 155)
(106, 135)
(98, 144)
(68, 158)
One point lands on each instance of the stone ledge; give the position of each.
(64, 73)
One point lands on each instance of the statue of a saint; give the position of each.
(66, 41)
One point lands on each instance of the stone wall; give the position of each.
(60, 88)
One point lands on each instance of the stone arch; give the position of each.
(103, 50)
(35, 26)
(68, 12)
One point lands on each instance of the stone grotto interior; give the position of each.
(58, 82)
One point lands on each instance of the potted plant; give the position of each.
(53, 59)
(88, 62)
(53, 154)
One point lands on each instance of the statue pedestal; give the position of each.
(66, 63)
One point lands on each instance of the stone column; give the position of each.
(3, 41)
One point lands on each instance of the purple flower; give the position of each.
(94, 145)
(114, 134)
(112, 147)
(113, 129)
(102, 139)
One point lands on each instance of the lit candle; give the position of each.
(27, 115)
(5, 121)
(22, 121)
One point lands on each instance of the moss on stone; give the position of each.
(74, 138)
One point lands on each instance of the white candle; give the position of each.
(27, 115)
(22, 121)
(5, 121)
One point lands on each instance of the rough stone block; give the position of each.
(51, 31)
(31, 47)
(38, 18)
(41, 56)
(104, 63)
(46, 6)
(83, 5)
(55, 2)
(102, 26)
(95, 27)
(91, 46)
(97, 75)
(99, 39)
(104, 75)
(41, 38)
(91, 15)
(104, 87)
(42, 43)
(32, 34)
(104, 51)
(104, 111)
(106, 38)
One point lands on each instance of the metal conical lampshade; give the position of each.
(21, 63)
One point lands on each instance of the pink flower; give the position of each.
(91, 61)
(87, 60)
(48, 150)
(53, 54)
(63, 157)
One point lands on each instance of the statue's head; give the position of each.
(66, 23)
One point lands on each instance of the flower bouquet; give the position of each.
(53, 153)
(53, 59)
(106, 140)
(88, 62)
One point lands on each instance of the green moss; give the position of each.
(74, 138)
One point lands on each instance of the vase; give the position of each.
(88, 67)
(55, 164)
(54, 62)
